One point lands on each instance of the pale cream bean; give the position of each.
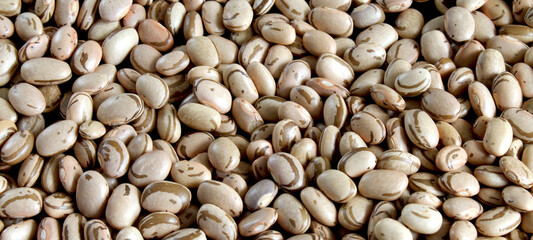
(421, 218)
(150, 167)
(49, 228)
(56, 138)
(518, 198)
(369, 127)
(190, 174)
(33, 48)
(354, 214)
(239, 83)
(498, 221)
(292, 215)
(385, 185)
(118, 45)
(288, 80)
(223, 154)
(86, 57)
(80, 108)
(131, 233)
(123, 206)
(20, 203)
(498, 136)
(285, 134)
(276, 58)
(287, 171)
(490, 63)
(58, 205)
(262, 79)
(367, 14)
(26, 99)
(91, 83)
(398, 160)
(518, 118)
(17, 147)
(73, 226)
(28, 25)
(387, 228)
(45, 71)
(30, 170)
(130, 106)
(63, 43)
(165, 196)
(462, 208)
(91, 185)
(506, 91)
(421, 129)
(344, 189)
(322, 18)
(512, 49)
(216, 223)
(434, 46)
(96, 229)
(114, 11)
(409, 23)
(516, 171)
(144, 57)
(459, 24)
(24, 230)
(237, 15)
(318, 42)
(257, 222)
(8, 69)
(279, 33)
(462, 184)
(295, 112)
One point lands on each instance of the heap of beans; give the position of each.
(266, 119)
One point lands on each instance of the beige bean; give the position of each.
(516, 171)
(421, 218)
(237, 15)
(365, 56)
(367, 14)
(45, 71)
(498, 221)
(388, 228)
(257, 221)
(460, 184)
(9, 56)
(287, 171)
(490, 63)
(381, 34)
(49, 228)
(354, 214)
(292, 215)
(376, 184)
(20, 203)
(517, 118)
(336, 69)
(498, 136)
(123, 206)
(58, 205)
(164, 196)
(216, 223)
(150, 167)
(345, 188)
(91, 185)
(285, 134)
(421, 129)
(398, 160)
(96, 229)
(223, 154)
(369, 127)
(518, 198)
(22, 230)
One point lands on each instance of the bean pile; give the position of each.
(266, 119)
